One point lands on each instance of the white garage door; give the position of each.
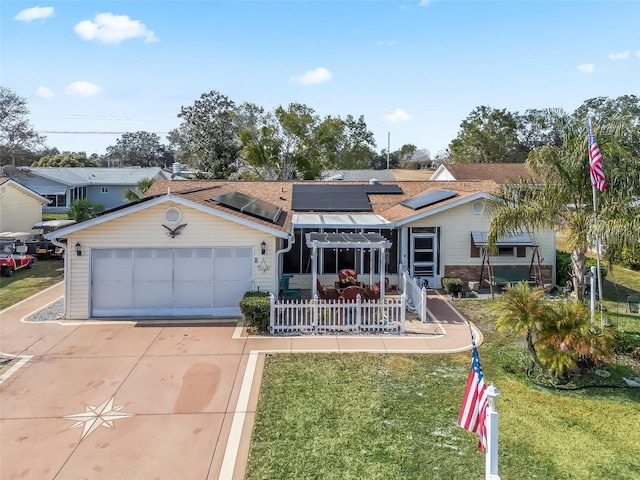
(170, 282)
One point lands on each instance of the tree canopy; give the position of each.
(66, 159)
(17, 135)
(140, 149)
(208, 135)
(489, 135)
(564, 200)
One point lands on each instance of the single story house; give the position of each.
(193, 248)
(20, 206)
(465, 172)
(63, 185)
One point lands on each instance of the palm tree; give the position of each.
(563, 200)
(521, 310)
(141, 187)
(567, 337)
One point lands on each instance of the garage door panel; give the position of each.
(153, 264)
(112, 265)
(233, 264)
(191, 294)
(113, 299)
(149, 295)
(194, 265)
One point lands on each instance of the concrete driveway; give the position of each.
(146, 400)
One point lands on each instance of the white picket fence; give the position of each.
(322, 316)
(416, 295)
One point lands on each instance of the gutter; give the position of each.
(65, 248)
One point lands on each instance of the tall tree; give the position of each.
(139, 149)
(66, 159)
(488, 135)
(17, 135)
(564, 201)
(208, 133)
(294, 142)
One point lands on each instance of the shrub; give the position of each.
(256, 308)
(451, 285)
(563, 267)
(631, 258)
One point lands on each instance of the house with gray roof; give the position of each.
(63, 185)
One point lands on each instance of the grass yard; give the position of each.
(25, 282)
(382, 416)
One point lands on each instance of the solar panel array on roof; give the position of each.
(380, 188)
(250, 205)
(337, 198)
(429, 198)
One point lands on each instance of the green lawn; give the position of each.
(376, 416)
(25, 282)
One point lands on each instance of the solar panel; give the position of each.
(429, 198)
(379, 188)
(337, 198)
(250, 205)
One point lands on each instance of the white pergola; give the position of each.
(370, 241)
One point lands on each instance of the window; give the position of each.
(330, 260)
(56, 200)
(505, 251)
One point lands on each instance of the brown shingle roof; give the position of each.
(497, 172)
(280, 193)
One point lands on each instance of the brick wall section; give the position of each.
(471, 273)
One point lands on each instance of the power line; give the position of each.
(94, 133)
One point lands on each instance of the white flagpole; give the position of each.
(491, 424)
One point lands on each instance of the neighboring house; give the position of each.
(193, 248)
(20, 207)
(63, 185)
(497, 172)
(394, 175)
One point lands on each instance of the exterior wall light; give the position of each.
(78, 249)
(263, 248)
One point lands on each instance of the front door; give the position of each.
(424, 254)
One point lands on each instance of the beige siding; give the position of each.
(456, 225)
(144, 230)
(19, 212)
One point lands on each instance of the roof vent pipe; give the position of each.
(374, 181)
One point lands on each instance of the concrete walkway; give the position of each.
(149, 400)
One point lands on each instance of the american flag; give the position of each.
(595, 164)
(474, 404)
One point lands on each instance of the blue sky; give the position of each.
(414, 69)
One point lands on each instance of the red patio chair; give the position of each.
(350, 294)
(374, 292)
(325, 293)
(347, 277)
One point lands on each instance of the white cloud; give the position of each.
(46, 93)
(82, 89)
(638, 53)
(586, 68)
(110, 28)
(399, 115)
(620, 56)
(424, 3)
(313, 77)
(34, 13)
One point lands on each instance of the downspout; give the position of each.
(292, 240)
(64, 246)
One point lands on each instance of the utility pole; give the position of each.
(388, 147)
